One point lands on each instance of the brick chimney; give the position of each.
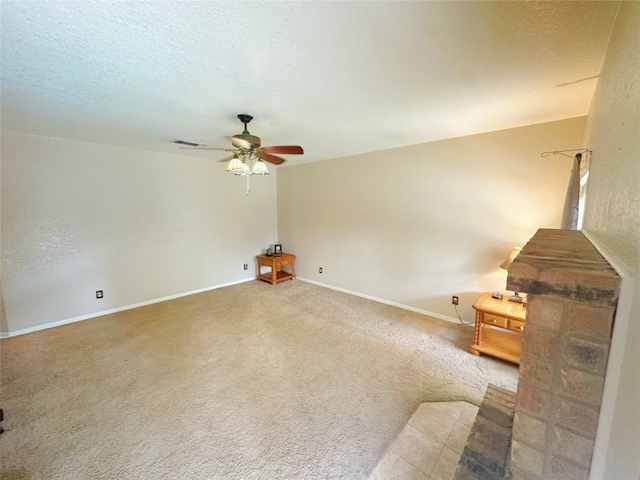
(572, 297)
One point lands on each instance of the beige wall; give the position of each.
(79, 217)
(418, 224)
(612, 217)
(4, 327)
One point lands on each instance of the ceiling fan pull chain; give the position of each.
(248, 184)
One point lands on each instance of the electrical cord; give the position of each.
(461, 322)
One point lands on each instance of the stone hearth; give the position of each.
(487, 452)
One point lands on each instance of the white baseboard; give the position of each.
(118, 309)
(382, 300)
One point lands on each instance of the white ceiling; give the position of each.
(338, 78)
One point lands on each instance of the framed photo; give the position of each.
(277, 249)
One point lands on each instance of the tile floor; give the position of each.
(430, 445)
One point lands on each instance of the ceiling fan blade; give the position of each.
(190, 144)
(207, 148)
(284, 149)
(267, 157)
(226, 159)
(240, 142)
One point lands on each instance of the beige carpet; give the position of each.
(245, 382)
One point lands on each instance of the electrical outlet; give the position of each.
(99, 294)
(320, 270)
(246, 266)
(454, 300)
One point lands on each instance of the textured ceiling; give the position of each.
(338, 78)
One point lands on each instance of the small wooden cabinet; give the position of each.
(275, 263)
(498, 328)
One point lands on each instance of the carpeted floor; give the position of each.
(245, 382)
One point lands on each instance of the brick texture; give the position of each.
(518, 474)
(536, 370)
(587, 355)
(533, 400)
(572, 447)
(563, 263)
(541, 343)
(581, 386)
(527, 458)
(563, 470)
(529, 430)
(572, 294)
(578, 417)
(547, 311)
(591, 321)
(486, 455)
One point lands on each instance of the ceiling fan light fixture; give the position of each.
(245, 171)
(249, 156)
(260, 168)
(235, 166)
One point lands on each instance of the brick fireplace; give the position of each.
(572, 297)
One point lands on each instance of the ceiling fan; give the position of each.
(248, 147)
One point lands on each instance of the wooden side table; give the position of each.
(498, 328)
(277, 274)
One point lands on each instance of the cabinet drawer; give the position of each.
(494, 320)
(516, 325)
(284, 261)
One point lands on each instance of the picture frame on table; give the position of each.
(277, 249)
